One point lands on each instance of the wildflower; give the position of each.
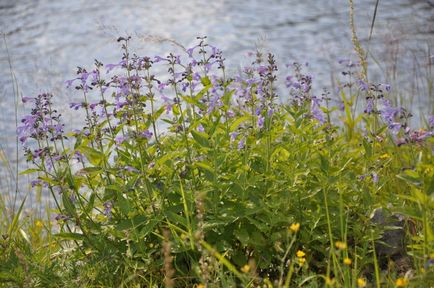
(300, 254)
(369, 106)
(374, 177)
(108, 209)
(245, 268)
(384, 156)
(75, 106)
(363, 86)
(361, 282)
(261, 121)
(347, 261)
(341, 245)
(39, 224)
(294, 227)
(431, 121)
(401, 282)
(241, 144)
(147, 134)
(120, 139)
(200, 286)
(301, 261)
(330, 281)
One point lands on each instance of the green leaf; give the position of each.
(238, 122)
(201, 138)
(205, 81)
(94, 156)
(123, 204)
(89, 171)
(28, 171)
(70, 236)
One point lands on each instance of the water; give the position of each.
(48, 39)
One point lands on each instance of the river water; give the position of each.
(47, 39)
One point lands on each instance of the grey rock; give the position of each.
(392, 241)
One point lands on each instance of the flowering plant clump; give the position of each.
(185, 177)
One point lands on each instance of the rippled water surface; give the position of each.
(46, 39)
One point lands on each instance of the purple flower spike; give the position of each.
(241, 144)
(261, 121)
(431, 121)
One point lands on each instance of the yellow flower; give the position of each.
(301, 261)
(431, 256)
(330, 281)
(361, 283)
(347, 261)
(245, 268)
(39, 224)
(401, 282)
(384, 156)
(294, 227)
(300, 254)
(341, 245)
(200, 286)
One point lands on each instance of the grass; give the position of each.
(237, 190)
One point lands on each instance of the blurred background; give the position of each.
(43, 41)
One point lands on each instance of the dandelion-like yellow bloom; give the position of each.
(431, 256)
(300, 254)
(200, 285)
(39, 224)
(347, 261)
(384, 156)
(294, 227)
(301, 261)
(401, 282)
(245, 268)
(361, 283)
(341, 245)
(330, 281)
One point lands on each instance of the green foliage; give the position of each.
(215, 199)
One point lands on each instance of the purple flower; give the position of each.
(27, 99)
(241, 144)
(38, 182)
(395, 127)
(120, 139)
(108, 209)
(374, 177)
(262, 70)
(191, 50)
(159, 58)
(363, 86)
(61, 217)
(147, 134)
(131, 169)
(75, 106)
(200, 128)
(431, 121)
(233, 136)
(69, 82)
(77, 156)
(369, 106)
(261, 121)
